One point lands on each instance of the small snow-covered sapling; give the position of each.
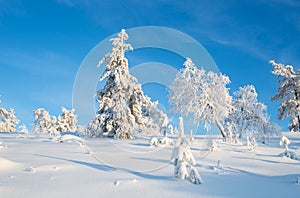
(212, 146)
(170, 128)
(284, 141)
(192, 139)
(183, 159)
(154, 141)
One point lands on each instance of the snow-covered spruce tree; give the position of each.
(66, 121)
(201, 95)
(183, 158)
(123, 107)
(9, 120)
(288, 94)
(249, 117)
(43, 122)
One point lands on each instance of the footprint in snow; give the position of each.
(116, 183)
(29, 169)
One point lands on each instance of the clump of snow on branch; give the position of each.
(201, 95)
(123, 110)
(288, 93)
(183, 159)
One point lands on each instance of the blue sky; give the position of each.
(44, 42)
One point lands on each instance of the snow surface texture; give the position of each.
(39, 167)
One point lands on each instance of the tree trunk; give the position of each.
(242, 129)
(297, 106)
(220, 128)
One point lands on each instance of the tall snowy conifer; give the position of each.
(201, 95)
(123, 107)
(288, 93)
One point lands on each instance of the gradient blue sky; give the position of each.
(44, 42)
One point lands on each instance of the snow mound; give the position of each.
(290, 154)
(70, 138)
(7, 164)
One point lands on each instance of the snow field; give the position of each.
(37, 167)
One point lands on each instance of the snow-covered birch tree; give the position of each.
(249, 117)
(288, 93)
(201, 95)
(123, 107)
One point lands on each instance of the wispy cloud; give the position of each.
(46, 62)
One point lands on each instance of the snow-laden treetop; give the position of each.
(117, 54)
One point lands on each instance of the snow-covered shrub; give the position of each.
(165, 141)
(123, 108)
(9, 120)
(219, 167)
(201, 95)
(183, 160)
(66, 121)
(42, 121)
(288, 93)
(170, 129)
(154, 141)
(212, 146)
(290, 154)
(24, 130)
(81, 130)
(284, 141)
